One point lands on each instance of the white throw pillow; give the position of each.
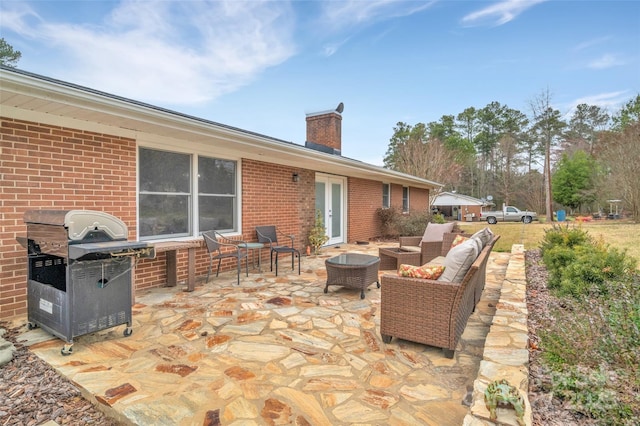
(435, 231)
(479, 244)
(459, 260)
(485, 235)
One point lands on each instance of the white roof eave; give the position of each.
(24, 90)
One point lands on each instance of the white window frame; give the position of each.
(405, 199)
(195, 152)
(387, 204)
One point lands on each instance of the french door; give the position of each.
(330, 201)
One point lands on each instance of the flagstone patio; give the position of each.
(275, 350)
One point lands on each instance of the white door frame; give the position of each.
(336, 226)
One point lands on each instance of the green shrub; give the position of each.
(318, 234)
(395, 223)
(563, 236)
(577, 264)
(556, 258)
(388, 220)
(596, 268)
(438, 218)
(592, 393)
(413, 223)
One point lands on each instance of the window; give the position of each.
(166, 194)
(217, 194)
(386, 195)
(405, 199)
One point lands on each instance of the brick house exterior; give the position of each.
(67, 147)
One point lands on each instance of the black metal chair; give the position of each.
(268, 235)
(221, 247)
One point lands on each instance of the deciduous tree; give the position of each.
(621, 157)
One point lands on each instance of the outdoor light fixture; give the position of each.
(295, 177)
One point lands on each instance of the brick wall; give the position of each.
(49, 167)
(418, 199)
(396, 196)
(270, 197)
(364, 197)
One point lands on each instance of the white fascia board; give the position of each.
(136, 116)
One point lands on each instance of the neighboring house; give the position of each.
(170, 176)
(458, 206)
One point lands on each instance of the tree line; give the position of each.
(543, 161)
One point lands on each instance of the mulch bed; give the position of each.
(546, 410)
(32, 393)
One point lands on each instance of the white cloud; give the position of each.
(331, 48)
(345, 14)
(605, 61)
(590, 43)
(349, 16)
(169, 52)
(499, 13)
(610, 101)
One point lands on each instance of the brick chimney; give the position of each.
(324, 131)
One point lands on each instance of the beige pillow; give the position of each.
(485, 235)
(459, 260)
(435, 231)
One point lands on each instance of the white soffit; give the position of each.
(30, 95)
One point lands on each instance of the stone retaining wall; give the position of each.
(506, 354)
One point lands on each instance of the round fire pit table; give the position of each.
(352, 270)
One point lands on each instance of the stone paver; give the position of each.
(275, 350)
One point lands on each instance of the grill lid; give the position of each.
(79, 223)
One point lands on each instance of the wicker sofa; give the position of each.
(432, 312)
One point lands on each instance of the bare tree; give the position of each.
(414, 152)
(547, 126)
(621, 156)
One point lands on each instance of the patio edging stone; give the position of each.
(506, 354)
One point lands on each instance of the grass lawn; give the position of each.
(619, 234)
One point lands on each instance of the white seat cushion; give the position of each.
(436, 261)
(411, 248)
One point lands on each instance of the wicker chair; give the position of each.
(428, 250)
(221, 247)
(431, 312)
(268, 235)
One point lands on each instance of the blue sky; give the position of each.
(262, 65)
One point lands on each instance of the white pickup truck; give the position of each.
(508, 214)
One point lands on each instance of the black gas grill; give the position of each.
(79, 272)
